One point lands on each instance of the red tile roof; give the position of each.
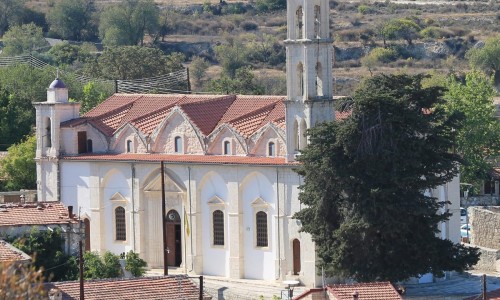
(245, 113)
(172, 158)
(365, 291)
(10, 253)
(35, 213)
(141, 288)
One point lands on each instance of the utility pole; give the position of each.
(484, 287)
(164, 225)
(82, 293)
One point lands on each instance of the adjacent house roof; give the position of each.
(364, 291)
(34, 213)
(9, 253)
(246, 114)
(141, 288)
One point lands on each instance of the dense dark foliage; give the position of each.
(366, 183)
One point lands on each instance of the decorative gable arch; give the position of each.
(215, 138)
(162, 135)
(120, 136)
(173, 184)
(261, 137)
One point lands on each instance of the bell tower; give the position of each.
(309, 56)
(49, 116)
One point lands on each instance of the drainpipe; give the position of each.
(278, 209)
(190, 217)
(132, 168)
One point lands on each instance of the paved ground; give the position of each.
(457, 287)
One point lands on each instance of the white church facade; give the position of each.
(230, 186)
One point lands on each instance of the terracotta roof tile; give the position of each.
(207, 114)
(141, 288)
(172, 158)
(10, 253)
(36, 213)
(366, 291)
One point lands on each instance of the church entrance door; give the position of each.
(174, 254)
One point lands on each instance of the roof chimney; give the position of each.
(355, 295)
(70, 211)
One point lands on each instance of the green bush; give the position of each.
(249, 25)
(96, 267)
(135, 264)
(433, 32)
(363, 9)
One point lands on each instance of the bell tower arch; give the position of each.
(309, 56)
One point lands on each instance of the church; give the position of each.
(228, 160)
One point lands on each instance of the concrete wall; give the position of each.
(485, 223)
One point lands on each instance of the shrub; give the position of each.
(249, 25)
(135, 264)
(96, 267)
(433, 32)
(363, 9)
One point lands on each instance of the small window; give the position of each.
(261, 222)
(89, 146)
(227, 147)
(48, 133)
(121, 229)
(82, 142)
(129, 146)
(178, 144)
(218, 224)
(271, 149)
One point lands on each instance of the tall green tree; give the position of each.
(23, 39)
(487, 58)
(18, 167)
(127, 22)
(243, 83)
(93, 94)
(11, 13)
(231, 55)
(478, 139)
(365, 180)
(46, 247)
(73, 19)
(396, 29)
(132, 62)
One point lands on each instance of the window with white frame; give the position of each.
(120, 225)
(129, 146)
(218, 227)
(227, 148)
(271, 151)
(178, 144)
(261, 229)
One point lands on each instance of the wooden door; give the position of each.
(296, 257)
(171, 244)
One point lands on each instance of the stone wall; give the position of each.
(489, 260)
(480, 201)
(485, 223)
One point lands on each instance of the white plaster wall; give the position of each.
(259, 262)
(216, 258)
(69, 139)
(119, 141)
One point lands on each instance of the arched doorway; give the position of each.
(86, 223)
(174, 231)
(296, 256)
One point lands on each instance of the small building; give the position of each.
(357, 291)
(141, 288)
(17, 219)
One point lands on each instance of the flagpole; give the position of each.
(163, 219)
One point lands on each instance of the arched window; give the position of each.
(178, 144)
(261, 230)
(319, 79)
(317, 21)
(218, 227)
(89, 146)
(300, 79)
(303, 137)
(299, 14)
(120, 227)
(48, 133)
(129, 146)
(271, 151)
(227, 147)
(296, 136)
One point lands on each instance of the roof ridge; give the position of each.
(95, 107)
(268, 107)
(220, 98)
